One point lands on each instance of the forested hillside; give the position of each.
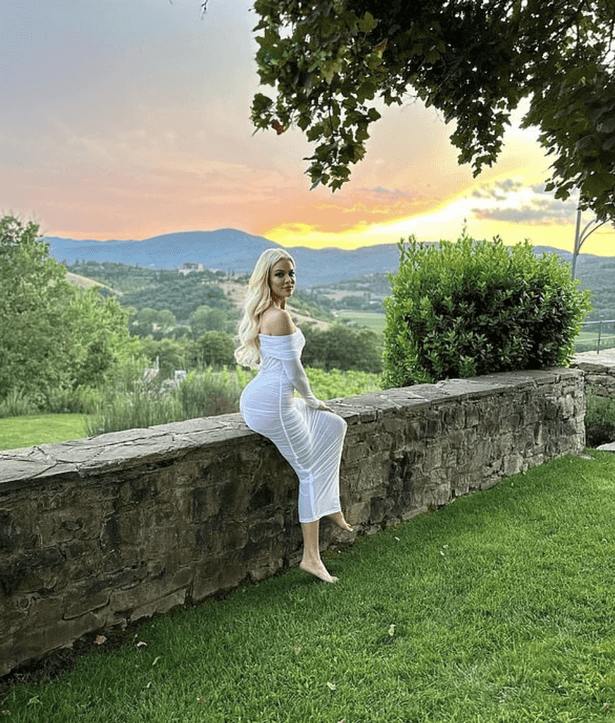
(182, 291)
(598, 275)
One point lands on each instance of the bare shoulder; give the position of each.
(277, 322)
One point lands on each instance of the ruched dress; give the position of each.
(310, 439)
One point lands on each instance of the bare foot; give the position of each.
(340, 521)
(318, 570)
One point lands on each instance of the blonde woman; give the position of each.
(306, 431)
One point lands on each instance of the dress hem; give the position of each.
(324, 514)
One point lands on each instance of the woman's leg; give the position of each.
(311, 561)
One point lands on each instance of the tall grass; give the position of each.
(136, 402)
(143, 403)
(17, 403)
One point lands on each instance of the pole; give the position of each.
(577, 243)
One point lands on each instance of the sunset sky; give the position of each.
(126, 119)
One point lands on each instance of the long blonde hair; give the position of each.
(259, 299)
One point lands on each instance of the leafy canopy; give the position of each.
(332, 62)
(53, 335)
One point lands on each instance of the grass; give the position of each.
(588, 340)
(40, 428)
(499, 608)
(370, 319)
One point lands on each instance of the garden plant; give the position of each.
(478, 307)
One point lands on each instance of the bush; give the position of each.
(477, 307)
(209, 393)
(599, 420)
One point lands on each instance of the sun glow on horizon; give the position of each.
(504, 208)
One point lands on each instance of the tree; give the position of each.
(340, 347)
(148, 321)
(332, 61)
(216, 348)
(53, 335)
(96, 334)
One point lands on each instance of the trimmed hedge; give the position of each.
(478, 307)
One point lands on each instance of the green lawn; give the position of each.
(40, 428)
(497, 609)
(587, 340)
(371, 319)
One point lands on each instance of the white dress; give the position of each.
(310, 439)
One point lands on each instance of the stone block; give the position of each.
(80, 604)
(414, 512)
(432, 458)
(380, 507)
(394, 425)
(354, 452)
(264, 529)
(513, 464)
(358, 512)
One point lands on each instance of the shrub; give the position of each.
(476, 307)
(209, 393)
(599, 420)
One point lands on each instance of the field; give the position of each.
(370, 319)
(586, 341)
(588, 338)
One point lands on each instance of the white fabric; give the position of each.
(310, 439)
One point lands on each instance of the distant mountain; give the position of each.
(229, 250)
(226, 249)
(236, 251)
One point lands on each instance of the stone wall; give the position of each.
(599, 372)
(99, 532)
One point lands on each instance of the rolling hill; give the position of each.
(234, 251)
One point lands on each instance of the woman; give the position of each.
(306, 431)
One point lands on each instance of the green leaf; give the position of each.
(367, 23)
